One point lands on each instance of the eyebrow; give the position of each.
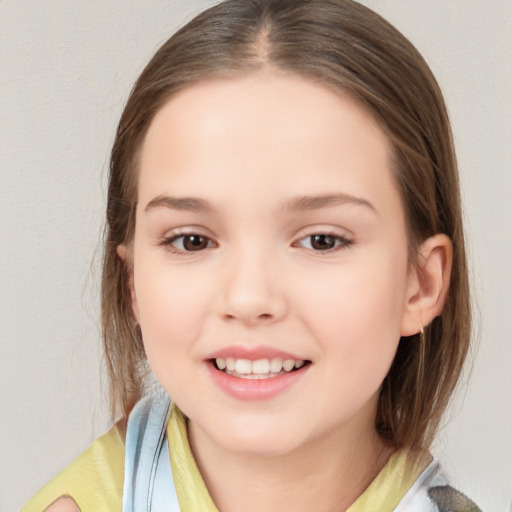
(191, 204)
(316, 202)
(313, 202)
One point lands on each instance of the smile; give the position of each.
(255, 372)
(258, 369)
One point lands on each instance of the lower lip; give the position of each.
(255, 389)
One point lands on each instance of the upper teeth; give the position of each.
(258, 367)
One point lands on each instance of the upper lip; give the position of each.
(253, 353)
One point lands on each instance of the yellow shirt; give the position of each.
(95, 479)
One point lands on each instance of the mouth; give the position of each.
(259, 369)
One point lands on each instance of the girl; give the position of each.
(284, 253)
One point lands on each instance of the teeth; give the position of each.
(243, 366)
(260, 366)
(276, 365)
(259, 369)
(288, 365)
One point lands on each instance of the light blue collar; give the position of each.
(148, 483)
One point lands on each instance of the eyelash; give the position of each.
(341, 242)
(168, 242)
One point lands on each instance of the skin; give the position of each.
(63, 504)
(248, 148)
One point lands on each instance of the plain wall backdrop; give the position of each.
(66, 70)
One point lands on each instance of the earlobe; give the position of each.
(429, 281)
(122, 252)
(126, 257)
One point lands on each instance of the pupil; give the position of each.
(194, 242)
(322, 242)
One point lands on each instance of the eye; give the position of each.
(323, 242)
(189, 243)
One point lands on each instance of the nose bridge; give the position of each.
(251, 288)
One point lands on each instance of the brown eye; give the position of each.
(189, 243)
(323, 242)
(195, 242)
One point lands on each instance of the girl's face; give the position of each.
(269, 232)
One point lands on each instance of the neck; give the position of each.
(325, 475)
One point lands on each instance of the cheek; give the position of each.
(172, 308)
(355, 314)
(359, 298)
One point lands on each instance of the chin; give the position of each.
(258, 439)
(259, 448)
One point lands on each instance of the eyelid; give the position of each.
(175, 234)
(187, 230)
(324, 229)
(344, 238)
(342, 242)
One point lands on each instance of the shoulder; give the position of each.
(92, 482)
(432, 492)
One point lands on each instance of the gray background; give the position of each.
(66, 69)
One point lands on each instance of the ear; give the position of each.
(428, 284)
(126, 257)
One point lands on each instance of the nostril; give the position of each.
(262, 317)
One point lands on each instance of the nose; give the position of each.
(251, 292)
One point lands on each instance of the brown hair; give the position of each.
(352, 50)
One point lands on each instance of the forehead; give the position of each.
(263, 133)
